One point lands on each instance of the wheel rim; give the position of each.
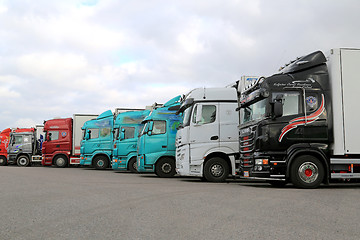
(134, 165)
(166, 167)
(100, 163)
(22, 161)
(2, 160)
(60, 161)
(308, 172)
(217, 170)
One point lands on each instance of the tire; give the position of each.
(165, 167)
(3, 161)
(101, 162)
(132, 165)
(60, 161)
(216, 169)
(307, 172)
(278, 184)
(23, 161)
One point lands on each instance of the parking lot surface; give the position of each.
(82, 203)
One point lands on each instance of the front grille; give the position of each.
(247, 147)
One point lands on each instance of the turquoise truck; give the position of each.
(98, 138)
(156, 142)
(97, 143)
(126, 131)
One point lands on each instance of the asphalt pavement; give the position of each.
(83, 203)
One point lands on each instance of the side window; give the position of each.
(54, 135)
(159, 127)
(194, 114)
(208, 114)
(291, 102)
(129, 132)
(105, 132)
(94, 133)
(18, 139)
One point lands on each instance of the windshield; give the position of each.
(255, 111)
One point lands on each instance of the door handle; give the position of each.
(57, 146)
(214, 138)
(164, 146)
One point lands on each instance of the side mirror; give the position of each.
(87, 135)
(151, 126)
(122, 134)
(49, 137)
(278, 109)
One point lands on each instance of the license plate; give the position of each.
(246, 173)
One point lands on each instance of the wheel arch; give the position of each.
(100, 155)
(131, 155)
(295, 153)
(221, 155)
(60, 154)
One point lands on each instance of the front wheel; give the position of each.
(60, 161)
(307, 172)
(216, 169)
(3, 161)
(101, 163)
(132, 165)
(23, 161)
(165, 167)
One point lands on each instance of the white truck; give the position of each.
(207, 139)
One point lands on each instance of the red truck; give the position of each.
(62, 140)
(4, 143)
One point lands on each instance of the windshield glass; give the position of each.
(255, 111)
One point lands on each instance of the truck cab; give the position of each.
(207, 139)
(4, 144)
(299, 125)
(24, 147)
(96, 145)
(156, 143)
(58, 142)
(126, 131)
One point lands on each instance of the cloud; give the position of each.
(58, 58)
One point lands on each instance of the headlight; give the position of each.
(261, 161)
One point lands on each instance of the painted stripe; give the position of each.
(294, 123)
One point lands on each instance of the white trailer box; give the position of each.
(78, 122)
(343, 66)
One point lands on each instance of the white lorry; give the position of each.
(207, 139)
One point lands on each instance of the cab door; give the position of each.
(156, 141)
(204, 129)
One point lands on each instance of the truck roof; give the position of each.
(167, 111)
(57, 123)
(133, 117)
(213, 94)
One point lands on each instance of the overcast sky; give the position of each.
(63, 57)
